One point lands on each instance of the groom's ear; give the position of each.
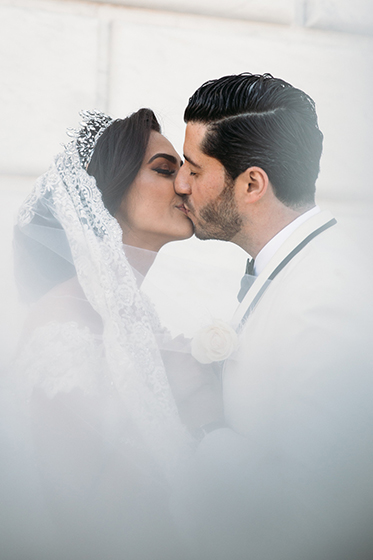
(252, 185)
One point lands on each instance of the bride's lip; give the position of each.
(182, 208)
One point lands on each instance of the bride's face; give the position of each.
(151, 213)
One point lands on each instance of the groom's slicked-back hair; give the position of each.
(259, 120)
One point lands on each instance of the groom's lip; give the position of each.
(187, 210)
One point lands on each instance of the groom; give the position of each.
(290, 477)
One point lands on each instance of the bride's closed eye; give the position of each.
(168, 172)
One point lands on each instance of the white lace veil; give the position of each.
(65, 216)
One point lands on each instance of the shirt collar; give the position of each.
(265, 255)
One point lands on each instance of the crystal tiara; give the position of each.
(94, 123)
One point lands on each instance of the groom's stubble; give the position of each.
(220, 218)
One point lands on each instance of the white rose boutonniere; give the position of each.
(214, 343)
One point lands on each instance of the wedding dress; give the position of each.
(105, 428)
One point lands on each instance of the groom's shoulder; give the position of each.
(336, 250)
(331, 262)
(331, 272)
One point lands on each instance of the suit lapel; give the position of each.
(280, 258)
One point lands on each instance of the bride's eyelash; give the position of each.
(165, 171)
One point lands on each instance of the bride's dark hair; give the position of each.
(119, 153)
(115, 162)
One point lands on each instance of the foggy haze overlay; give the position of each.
(58, 57)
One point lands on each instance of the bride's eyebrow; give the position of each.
(169, 157)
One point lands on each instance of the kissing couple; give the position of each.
(145, 452)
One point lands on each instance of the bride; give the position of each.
(106, 430)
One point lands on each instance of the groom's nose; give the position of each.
(181, 184)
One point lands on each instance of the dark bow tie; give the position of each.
(247, 280)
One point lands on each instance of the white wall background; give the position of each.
(58, 56)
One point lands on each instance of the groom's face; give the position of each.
(208, 193)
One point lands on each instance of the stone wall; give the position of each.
(59, 56)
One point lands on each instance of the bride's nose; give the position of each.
(181, 183)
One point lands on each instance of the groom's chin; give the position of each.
(202, 233)
(205, 235)
(218, 227)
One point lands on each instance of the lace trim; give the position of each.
(130, 324)
(60, 357)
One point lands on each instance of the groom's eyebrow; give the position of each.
(169, 157)
(192, 162)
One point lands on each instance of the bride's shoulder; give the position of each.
(61, 346)
(64, 304)
(60, 357)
